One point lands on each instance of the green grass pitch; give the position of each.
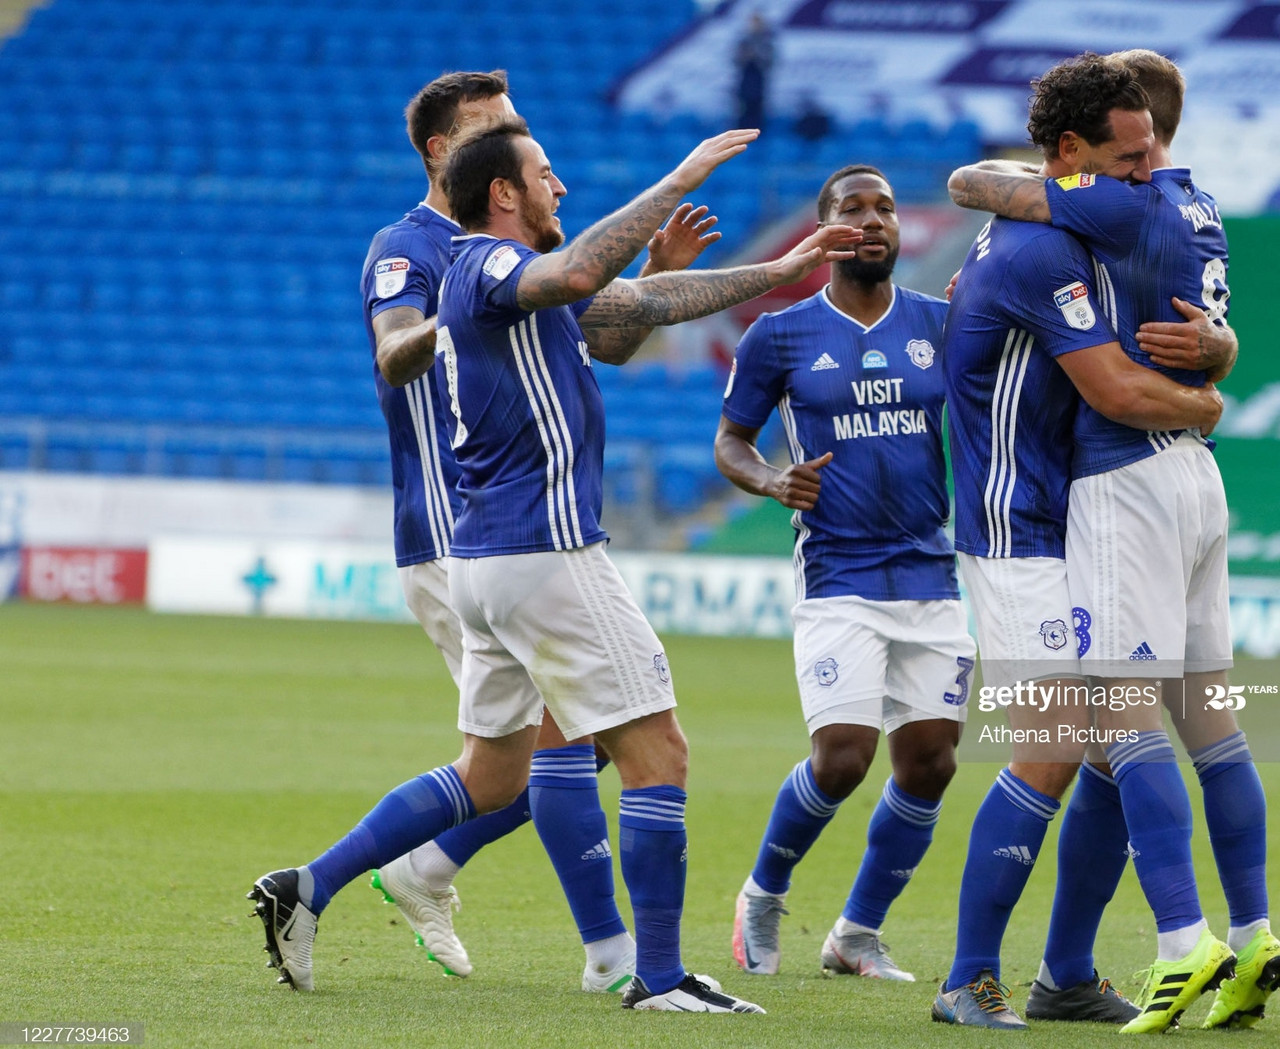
(151, 767)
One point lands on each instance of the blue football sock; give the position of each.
(898, 836)
(799, 813)
(1235, 810)
(464, 841)
(565, 803)
(1158, 812)
(1093, 848)
(652, 843)
(413, 813)
(1007, 833)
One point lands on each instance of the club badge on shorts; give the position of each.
(660, 665)
(826, 671)
(1054, 634)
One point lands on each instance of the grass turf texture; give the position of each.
(151, 767)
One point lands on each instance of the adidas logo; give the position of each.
(598, 852)
(789, 854)
(824, 363)
(905, 875)
(1016, 852)
(1143, 651)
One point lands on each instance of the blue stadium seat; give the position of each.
(625, 472)
(270, 135)
(683, 476)
(15, 448)
(118, 454)
(68, 453)
(247, 460)
(300, 463)
(192, 457)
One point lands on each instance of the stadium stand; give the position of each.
(187, 191)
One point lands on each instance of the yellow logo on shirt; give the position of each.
(1075, 181)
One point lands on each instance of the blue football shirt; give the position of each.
(873, 397)
(527, 419)
(1150, 242)
(405, 264)
(1024, 298)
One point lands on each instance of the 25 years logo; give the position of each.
(1225, 697)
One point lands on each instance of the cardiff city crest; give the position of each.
(826, 671)
(921, 352)
(1054, 633)
(660, 665)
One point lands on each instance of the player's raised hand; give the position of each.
(681, 240)
(796, 487)
(825, 244)
(692, 172)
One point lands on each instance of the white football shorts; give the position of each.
(559, 627)
(426, 591)
(1147, 564)
(1023, 611)
(881, 663)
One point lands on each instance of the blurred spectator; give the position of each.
(753, 57)
(812, 122)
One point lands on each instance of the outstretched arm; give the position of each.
(795, 486)
(674, 247)
(600, 253)
(1198, 345)
(670, 298)
(1003, 187)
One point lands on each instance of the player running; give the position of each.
(880, 635)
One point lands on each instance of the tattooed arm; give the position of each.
(669, 298)
(406, 342)
(1003, 187)
(673, 247)
(604, 250)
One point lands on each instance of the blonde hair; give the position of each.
(1165, 86)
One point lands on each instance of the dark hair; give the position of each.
(476, 157)
(827, 195)
(1078, 95)
(434, 110)
(1164, 84)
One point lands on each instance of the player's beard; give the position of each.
(869, 272)
(547, 235)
